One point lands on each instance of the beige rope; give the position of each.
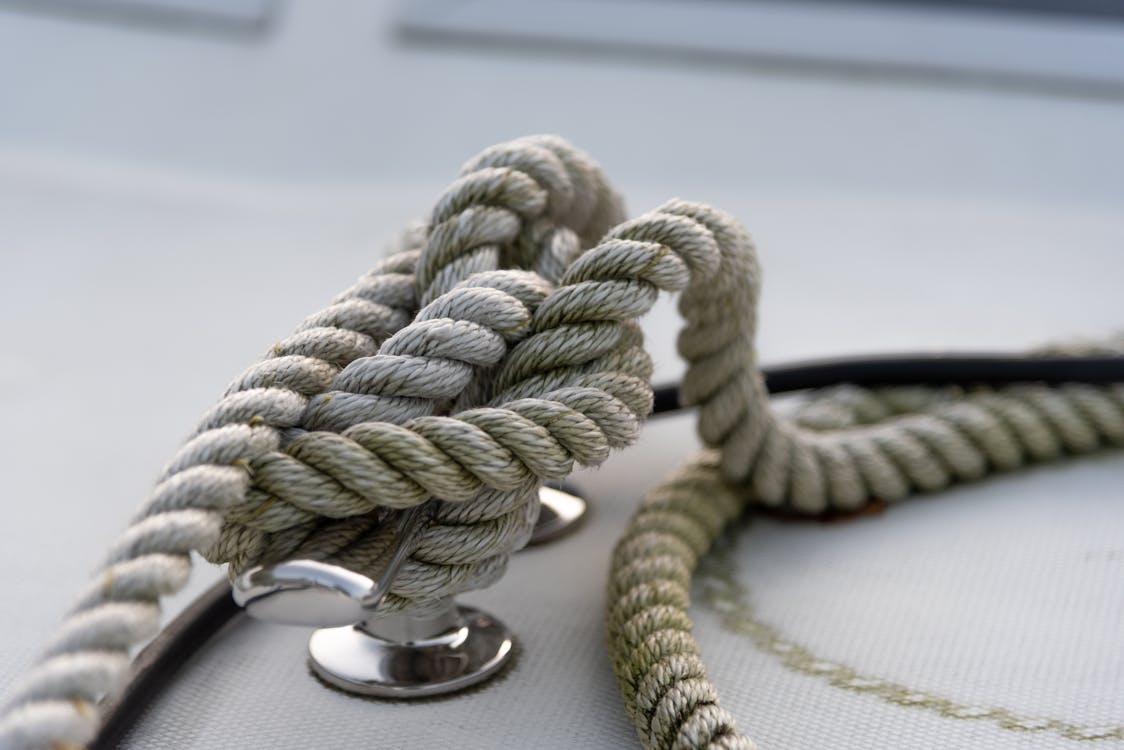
(255, 483)
(844, 448)
(487, 355)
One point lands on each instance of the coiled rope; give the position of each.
(445, 374)
(843, 447)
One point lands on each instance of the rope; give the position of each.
(390, 451)
(949, 435)
(491, 353)
(843, 448)
(262, 478)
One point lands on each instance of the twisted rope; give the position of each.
(370, 448)
(54, 704)
(489, 457)
(486, 356)
(844, 448)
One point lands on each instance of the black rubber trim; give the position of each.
(924, 369)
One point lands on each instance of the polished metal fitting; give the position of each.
(561, 511)
(406, 654)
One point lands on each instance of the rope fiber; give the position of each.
(496, 348)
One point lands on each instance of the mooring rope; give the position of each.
(341, 424)
(893, 441)
(497, 349)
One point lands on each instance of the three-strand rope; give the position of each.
(339, 425)
(445, 375)
(842, 448)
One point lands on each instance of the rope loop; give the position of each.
(498, 346)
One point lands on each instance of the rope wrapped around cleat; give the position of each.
(496, 348)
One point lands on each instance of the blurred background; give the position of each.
(181, 181)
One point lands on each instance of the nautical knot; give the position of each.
(496, 348)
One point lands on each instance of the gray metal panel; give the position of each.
(916, 40)
(216, 16)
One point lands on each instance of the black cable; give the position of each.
(924, 369)
(186, 634)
